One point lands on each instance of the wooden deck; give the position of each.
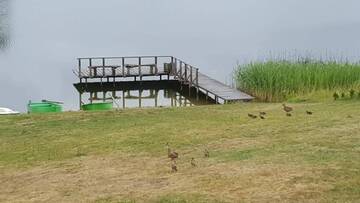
(108, 68)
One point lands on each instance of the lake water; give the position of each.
(40, 39)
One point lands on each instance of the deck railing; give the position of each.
(185, 73)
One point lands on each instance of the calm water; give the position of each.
(45, 37)
(143, 98)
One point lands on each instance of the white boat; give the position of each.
(6, 111)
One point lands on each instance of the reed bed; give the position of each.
(275, 81)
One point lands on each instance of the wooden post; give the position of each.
(123, 98)
(104, 96)
(197, 84)
(113, 71)
(91, 97)
(156, 97)
(190, 82)
(123, 66)
(140, 74)
(156, 65)
(79, 64)
(103, 64)
(185, 79)
(80, 100)
(171, 99)
(172, 68)
(140, 94)
(181, 72)
(175, 99)
(180, 100)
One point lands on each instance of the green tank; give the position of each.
(44, 107)
(97, 106)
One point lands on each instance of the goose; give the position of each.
(193, 162)
(252, 115)
(288, 114)
(172, 155)
(262, 113)
(173, 167)
(206, 153)
(287, 109)
(309, 112)
(262, 117)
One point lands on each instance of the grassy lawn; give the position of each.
(120, 156)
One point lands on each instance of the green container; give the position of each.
(44, 107)
(97, 106)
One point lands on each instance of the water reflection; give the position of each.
(4, 25)
(143, 98)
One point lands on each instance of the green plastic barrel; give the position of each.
(97, 106)
(44, 107)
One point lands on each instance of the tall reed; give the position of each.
(278, 80)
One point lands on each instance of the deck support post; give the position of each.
(140, 94)
(171, 98)
(80, 100)
(190, 81)
(123, 99)
(140, 74)
(156, 97)
(197, 93)
(91, 97)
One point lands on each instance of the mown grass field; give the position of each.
(120, 156)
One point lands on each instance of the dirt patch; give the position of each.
(143, 178)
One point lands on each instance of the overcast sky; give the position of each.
(48, 35)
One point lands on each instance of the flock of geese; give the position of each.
(173, 156)
(287, 109)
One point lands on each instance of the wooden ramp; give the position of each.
(221, 90)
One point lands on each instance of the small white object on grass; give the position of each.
(7, 111)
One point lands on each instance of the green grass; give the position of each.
(120, 156)
(282, 80)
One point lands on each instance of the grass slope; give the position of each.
(120, 156)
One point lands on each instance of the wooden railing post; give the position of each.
(197, 77)
(103, 64)
(123, 66)
(190, 82)
(140, 67)
(181, 72)
(79, 66)
(191, 75)
(113, 71)
(197, 84)
(172, 68)
(186, 70)
(156, 65)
